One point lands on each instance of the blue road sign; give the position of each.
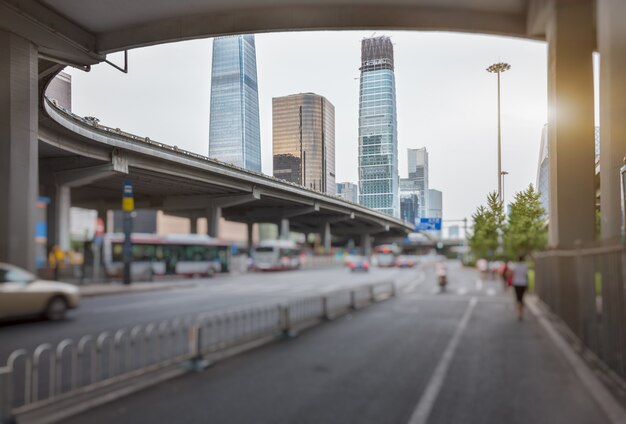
(428, 224)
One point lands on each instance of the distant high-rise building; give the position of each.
(234, 131)
(378, 139)
(303, 128)
(410, 200)
(348, 191)
(435, 204)
(418, 174)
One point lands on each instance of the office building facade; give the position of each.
(303, 133)
(348, 191)
(418, 174)
(378, 139)
(410, 200)
(234, 130)
(435, 204)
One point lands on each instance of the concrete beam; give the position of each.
(203, 201)
(328, 15)
(537, 17)
(271, 214)
(83, 176)
(58, 38)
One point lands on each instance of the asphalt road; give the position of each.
(424, 357)
(112, 312)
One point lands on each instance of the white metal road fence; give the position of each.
(49, 374)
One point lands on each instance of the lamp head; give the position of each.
(497, 68)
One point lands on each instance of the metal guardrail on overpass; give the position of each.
(182, 182)
(585, 288)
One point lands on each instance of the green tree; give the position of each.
(526, 230)
(488, 223)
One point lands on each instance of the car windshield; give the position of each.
(15, 275)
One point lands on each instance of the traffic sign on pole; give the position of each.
(128, 206)
(428, 224)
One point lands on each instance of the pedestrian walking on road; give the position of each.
(520, 283)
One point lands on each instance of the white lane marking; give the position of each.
(491, 291)
(424, 407)
(462, 291)
(611, 407)
(479, 284)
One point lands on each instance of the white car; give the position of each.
(23, 295)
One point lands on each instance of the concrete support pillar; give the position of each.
(612, 47)
(213, 216)
(284, 229)
(571, 41)
(326, 237)
(62, 212)
(59, 217)
(250, 234)
(18, 150)
(366, 244)
(193, 224)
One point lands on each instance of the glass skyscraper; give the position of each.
(378, 139)
(303, 128)
(418, 177)
(234, 131)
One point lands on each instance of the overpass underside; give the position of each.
(38, 38)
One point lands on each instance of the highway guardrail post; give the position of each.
(353, 305)
(197, 361)
(6, 396)
(285, 317)
(393, 289)
(372, 293)
(325, 311)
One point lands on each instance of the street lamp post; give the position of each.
(503, 174)
(498, 68)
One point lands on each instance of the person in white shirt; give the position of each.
(520, 283)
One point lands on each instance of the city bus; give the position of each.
(276, 255)
(186, 255)
(385, 255)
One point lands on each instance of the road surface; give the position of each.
(423, 357)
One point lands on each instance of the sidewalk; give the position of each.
(118, 288)
(381, 365)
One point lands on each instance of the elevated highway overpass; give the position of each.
(38, 38)
(85, 163)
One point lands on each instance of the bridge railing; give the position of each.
(585, 288)
(49, 374)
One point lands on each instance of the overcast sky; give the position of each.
(446, 101)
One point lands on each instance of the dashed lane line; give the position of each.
(429, 397)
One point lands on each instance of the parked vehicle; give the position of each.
(358, 263)
(23, 295)
(276, 255)
(404, 261)
(385, 255)
(186, 255)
